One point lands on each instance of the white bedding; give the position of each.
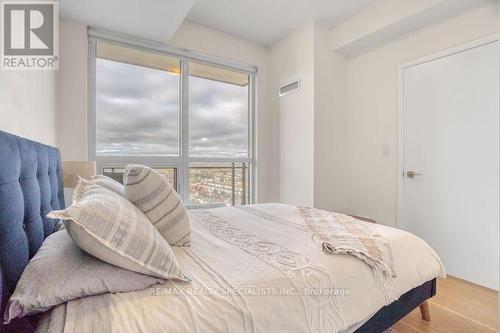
(279, 270)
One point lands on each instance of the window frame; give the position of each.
(181, 162)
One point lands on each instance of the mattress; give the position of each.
(255, 269)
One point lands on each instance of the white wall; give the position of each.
(28, 104)
(370, 116)
(311, 129)
(72, 91)
(329, 101)
(293, 58)
(72, 113)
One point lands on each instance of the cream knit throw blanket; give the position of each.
(342, 234)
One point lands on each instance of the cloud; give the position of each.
(138, 113)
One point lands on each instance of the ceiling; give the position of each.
(155, 20)
(260, 21)
(267, 21)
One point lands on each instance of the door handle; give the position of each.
(412, 174)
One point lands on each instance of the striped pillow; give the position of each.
(108, 183)
(153, 195)
(109, 227)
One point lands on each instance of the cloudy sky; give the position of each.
(138, 113)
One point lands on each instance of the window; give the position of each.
(188, 117)
(218, 112)
(117, 174)
(137, 104)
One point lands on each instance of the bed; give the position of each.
(253, 269)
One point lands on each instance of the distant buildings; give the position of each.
(206, 184)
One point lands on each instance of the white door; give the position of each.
(450, 186)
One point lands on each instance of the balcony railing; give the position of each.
(219, 183)
(208, 184)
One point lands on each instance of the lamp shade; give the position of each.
(73, 169)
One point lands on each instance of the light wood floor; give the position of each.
(458, 307)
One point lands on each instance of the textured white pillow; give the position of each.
(60, 272)
(108, 183)
(155, 197)
(109, 227)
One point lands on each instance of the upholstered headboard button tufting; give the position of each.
(30, 186)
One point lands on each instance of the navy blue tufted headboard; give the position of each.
(30, 186)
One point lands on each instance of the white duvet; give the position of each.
(255, 271)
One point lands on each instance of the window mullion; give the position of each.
(184, 164)
(252, 133)
(91, 100)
